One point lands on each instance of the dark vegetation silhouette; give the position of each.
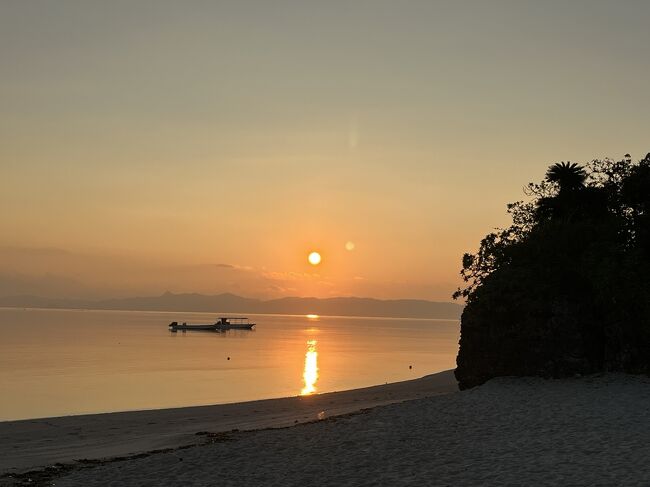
(565, 289)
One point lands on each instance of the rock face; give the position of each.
(501, 340)
(533, 334)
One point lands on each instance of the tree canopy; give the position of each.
(564, 289)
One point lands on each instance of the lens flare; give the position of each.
(310, 373)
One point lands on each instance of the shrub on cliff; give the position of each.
(565, 289)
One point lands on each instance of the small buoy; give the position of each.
(228, 358)
(410, 366)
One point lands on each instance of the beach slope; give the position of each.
(30, 444)
(583, 431)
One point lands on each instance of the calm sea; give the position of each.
(62, 362)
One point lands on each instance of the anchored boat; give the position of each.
(222, 324)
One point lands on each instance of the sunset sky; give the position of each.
(211, 146)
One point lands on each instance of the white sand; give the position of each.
(588, 431)
(30, 444)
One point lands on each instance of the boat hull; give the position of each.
(248, 326)
(215, 327)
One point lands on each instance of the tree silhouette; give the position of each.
(568, 175)
(565, 289)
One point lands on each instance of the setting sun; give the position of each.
(314, 258)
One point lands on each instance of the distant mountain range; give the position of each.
(231, 303)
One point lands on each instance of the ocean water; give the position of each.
(63, 362)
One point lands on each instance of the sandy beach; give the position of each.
(583, 431)
(34, 444)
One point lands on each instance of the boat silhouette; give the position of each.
(222, 324)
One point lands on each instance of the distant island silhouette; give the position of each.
(565, 289)
(231, 303)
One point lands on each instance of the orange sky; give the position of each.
(210, 147)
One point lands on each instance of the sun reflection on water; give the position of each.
(310, 374)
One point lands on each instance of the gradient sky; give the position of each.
(209, 146)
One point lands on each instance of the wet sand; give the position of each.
(33, 444)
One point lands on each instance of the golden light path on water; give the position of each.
(310, 373)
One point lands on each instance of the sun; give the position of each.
(314, 258)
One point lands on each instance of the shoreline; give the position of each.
(31, 444)
(591, 430)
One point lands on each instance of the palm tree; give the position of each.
(568, 175)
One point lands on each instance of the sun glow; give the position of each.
(314, 258)
(310, 373)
